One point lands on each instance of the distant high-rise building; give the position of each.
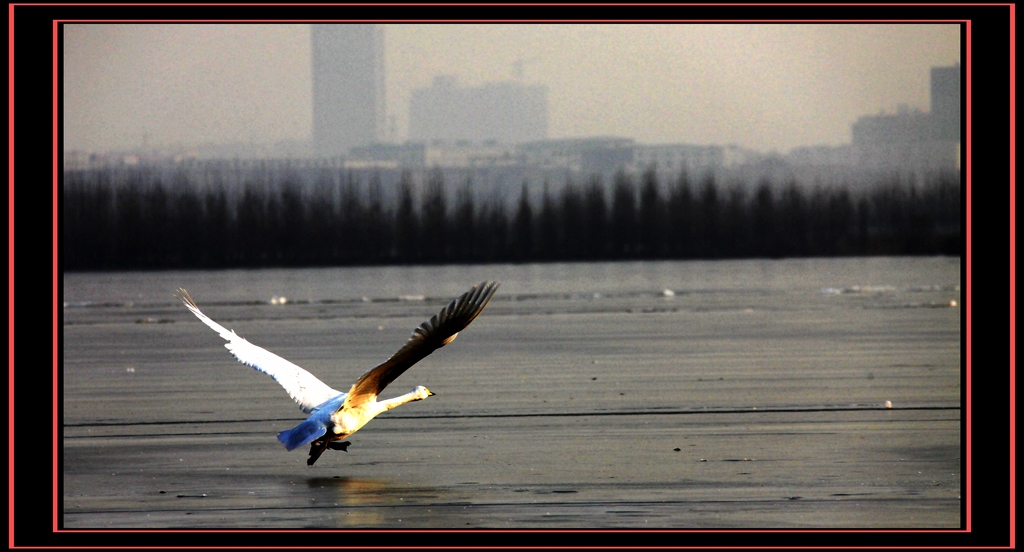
(946, 102)
(915, 139)
(348, 86)
(507, 112)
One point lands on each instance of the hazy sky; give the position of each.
(761, 86)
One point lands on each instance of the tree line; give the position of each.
(134, 221)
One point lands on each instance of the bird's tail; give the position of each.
(302, 434)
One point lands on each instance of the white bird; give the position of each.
(335, 415)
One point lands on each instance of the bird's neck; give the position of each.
(399, 400)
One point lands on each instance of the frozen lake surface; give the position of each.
(721, 394)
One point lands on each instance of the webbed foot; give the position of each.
(316, 448)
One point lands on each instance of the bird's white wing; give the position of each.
(302, 386)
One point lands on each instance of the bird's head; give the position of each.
(422, 392)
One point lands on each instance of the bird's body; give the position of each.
(334, 415)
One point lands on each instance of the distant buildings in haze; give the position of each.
(504, 126)
(348, 99)
(913, 139)
(945, 100)
(348, 87)
(509, 112)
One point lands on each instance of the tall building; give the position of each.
(915, 139)
(348, 87)
(946, 102)
(506, 112)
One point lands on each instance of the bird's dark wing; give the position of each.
(431, 335)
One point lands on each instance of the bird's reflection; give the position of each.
(350, 486)
(362, 502)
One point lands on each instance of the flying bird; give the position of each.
(334, 415)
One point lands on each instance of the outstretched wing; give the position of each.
(433, 334)
(301, 386)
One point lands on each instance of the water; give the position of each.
(318, 284)
(611, 394)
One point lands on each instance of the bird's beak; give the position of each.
(430, 393)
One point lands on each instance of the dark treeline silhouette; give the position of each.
(134, 220)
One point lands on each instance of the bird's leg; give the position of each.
(316, 448)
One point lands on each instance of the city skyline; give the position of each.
(767, 87)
